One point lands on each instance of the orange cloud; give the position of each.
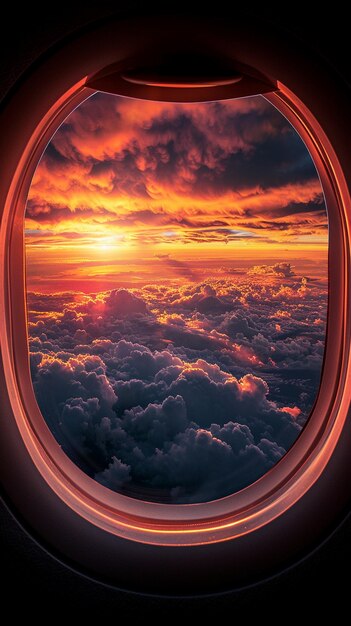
(122, 175)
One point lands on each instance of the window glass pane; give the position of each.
(177, 292)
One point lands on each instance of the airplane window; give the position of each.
(176, 259)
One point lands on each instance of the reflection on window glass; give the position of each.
(177, 293)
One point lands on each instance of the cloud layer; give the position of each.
(182, 393)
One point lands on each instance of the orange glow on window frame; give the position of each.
(259, 503)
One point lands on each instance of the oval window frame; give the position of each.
(240, 515)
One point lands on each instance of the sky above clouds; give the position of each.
(177, 292)
(124, 182)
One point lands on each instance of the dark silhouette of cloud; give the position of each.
(122, 302)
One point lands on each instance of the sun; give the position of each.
(109, 243)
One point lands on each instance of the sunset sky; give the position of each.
(129, 189)
(177, 293)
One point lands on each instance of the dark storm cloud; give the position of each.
(201, 463)
(224, 147)
(296, 208)
(262, 137)
(265, 163)
(55, 158)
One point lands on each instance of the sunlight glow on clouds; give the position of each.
(127, 175)
(177, 292)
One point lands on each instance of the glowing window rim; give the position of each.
(273, 493)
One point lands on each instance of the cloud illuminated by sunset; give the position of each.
(125, 179)
(177, 293)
